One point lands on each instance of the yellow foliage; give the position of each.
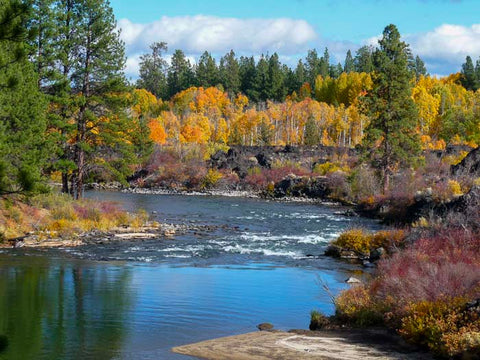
(328, 168)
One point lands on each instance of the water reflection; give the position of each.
(57, 310)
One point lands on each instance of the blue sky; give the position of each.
(442, 32)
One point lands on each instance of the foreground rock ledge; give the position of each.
(331, 345)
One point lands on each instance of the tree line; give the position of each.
(260, 80)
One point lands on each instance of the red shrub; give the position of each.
(445, 265)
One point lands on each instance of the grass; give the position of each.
(57, 215)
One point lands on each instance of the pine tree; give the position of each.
(230, 73)
(469, 77)
(363, 59)
(390, 138)
(248, 73)
(349, 65)
(300, 74)
(180, 73)
(101, 138)
(312, 64)
(153, 70)
(420, 68)
(324, 65)
(262, 78)
(22, 106)
(275, 84)
(207, 71)
(311, 134)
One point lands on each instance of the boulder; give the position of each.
(353, 280)
(470, 165)
(377, 254)
(265, 327)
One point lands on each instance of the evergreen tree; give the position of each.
(477, 72)
(43, 46)
(262, 79)
(275, 85)
(469, 77)
(153, 68)
(248, 76)
(101, 138)
(420, 68)
(180, 73)
(300, 75)
(207, 71)
(324, 65)
(363, 59)
(312, 64)
(390, 138)
(349, 65)
(290, 83)
(230, 73)
(312, 134)
(335, 70)
(22, 106)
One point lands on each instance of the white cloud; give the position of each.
(195, 34)
(445, 48)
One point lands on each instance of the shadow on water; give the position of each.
(46, 309)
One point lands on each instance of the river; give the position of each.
(137, 300)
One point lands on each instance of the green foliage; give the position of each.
(22, 107)
(317, 320)
(356, 307)
(391, 139)
(152, 71)
(469, 75)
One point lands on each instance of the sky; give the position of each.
(441, 32)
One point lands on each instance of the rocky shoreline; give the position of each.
(120, 234)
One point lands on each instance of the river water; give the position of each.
(137, 300)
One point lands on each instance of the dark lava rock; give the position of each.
(265, 327)
(333, 251)
(469, 165)
(474, 306)
(302, 186)
(377, 254)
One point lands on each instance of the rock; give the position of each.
(265, 327)
(264, 160)
(376, 254)
(474, 306)
(352, 280)
(469, 165)
(333, 251)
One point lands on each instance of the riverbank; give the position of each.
(370, 344)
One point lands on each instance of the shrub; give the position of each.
(211, 178)
(318, 320)
(444, 326)
(355, 239)
(446, 264)
(363, 242)
(356, 306)
(328, 168)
